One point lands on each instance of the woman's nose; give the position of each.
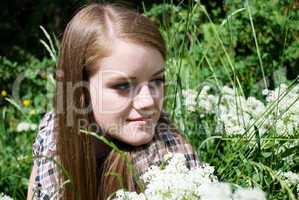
(144, 98)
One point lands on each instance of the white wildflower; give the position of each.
(249, 194)
(168, 156)
(5, 197)
(212, 191)
(228, 91)
(265, 92)
(176, 182)
(121, 194)
(25, 126)
(190, 99)
(255, 107)
(237, 115)
(291, 177)
(204, 91)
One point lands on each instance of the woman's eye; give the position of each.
(158, 81)
(122, 86)
(126, 86)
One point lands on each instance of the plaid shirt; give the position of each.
(44, 148)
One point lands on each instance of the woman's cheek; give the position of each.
(114, 103)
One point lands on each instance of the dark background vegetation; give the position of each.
(20, 21)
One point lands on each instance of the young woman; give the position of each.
(110, 81)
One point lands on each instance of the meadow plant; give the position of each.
(237, 115)
(174, 181)
(5, 197)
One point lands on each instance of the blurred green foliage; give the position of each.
(227, 41)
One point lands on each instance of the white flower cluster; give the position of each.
(237, 114)
(177, 182)
(5, 197)
(190, 99)
(286, 111)
(25, 126)
(291, 177)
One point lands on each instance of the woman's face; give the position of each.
(127, 92)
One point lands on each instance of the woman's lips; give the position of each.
(141, 120)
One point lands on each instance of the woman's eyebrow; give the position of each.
(122, 78)
(158, 72)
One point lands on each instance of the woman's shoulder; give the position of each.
(164, 142)
(44, 144)
(44, 154)
(175, 142)
(47, 119)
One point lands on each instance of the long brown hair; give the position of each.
(86, 39)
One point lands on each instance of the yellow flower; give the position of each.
(26, 102)
(3, 93)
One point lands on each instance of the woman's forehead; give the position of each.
(129, 59)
